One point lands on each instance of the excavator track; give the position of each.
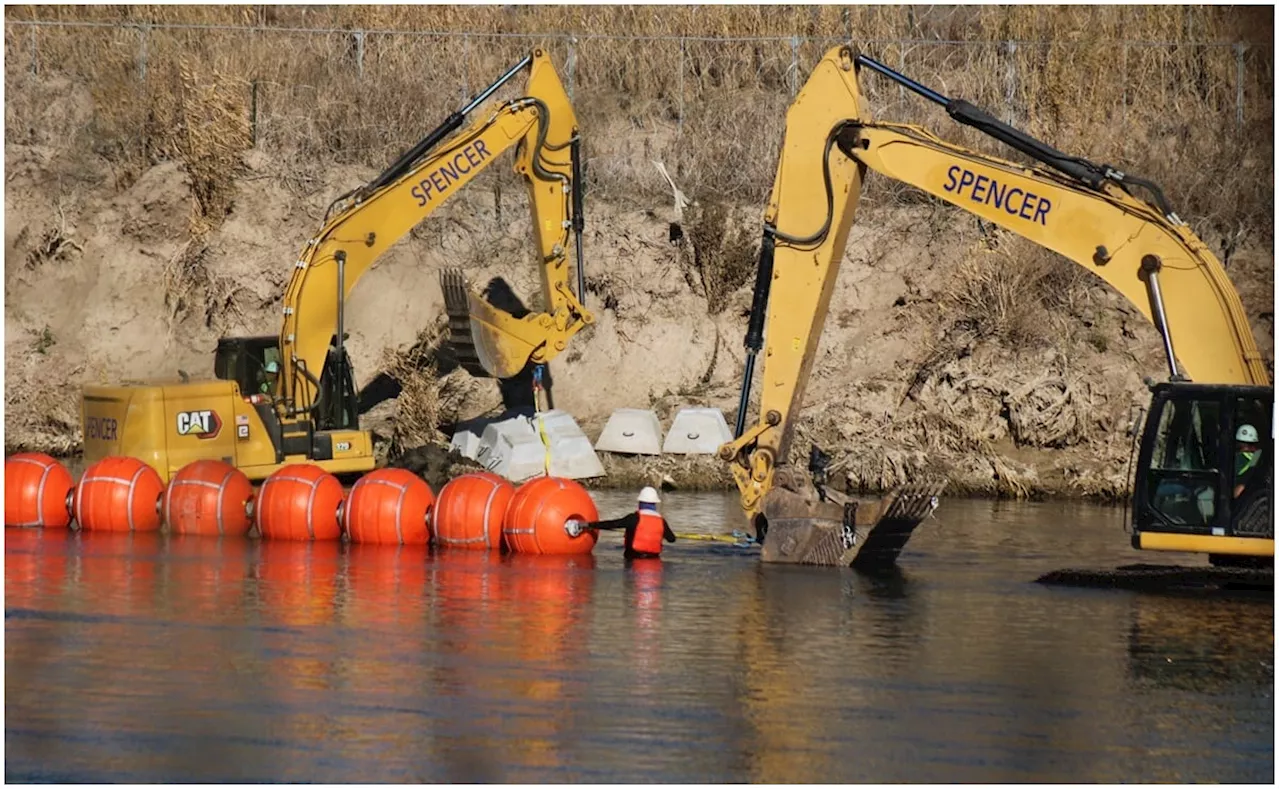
(1154, 577)
(457, 305)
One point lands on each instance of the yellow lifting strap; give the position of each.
(537, 415)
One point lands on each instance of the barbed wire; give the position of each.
(578, 37)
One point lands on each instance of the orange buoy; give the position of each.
(538, 512)
(208, 497)
(119, 494)
(388, 506)
(469, 511)
(37, 491)
(299, 502)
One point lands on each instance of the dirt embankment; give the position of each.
(947, 348)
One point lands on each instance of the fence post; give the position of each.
(1124, 90)
(359, 36)
(680, 91)
(253, 114)
(35, 66)
(466, 67)
(795, 64)
(902, 69)
(1240, 48)
(1011, 78)
(142, 53)
(571, 64)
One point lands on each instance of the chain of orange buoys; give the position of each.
(478, 510)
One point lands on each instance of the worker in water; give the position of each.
(645, 529)
(1247, 455)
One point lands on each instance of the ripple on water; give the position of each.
(143, 658)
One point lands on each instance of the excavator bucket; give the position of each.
(867, 537)
(480, 333)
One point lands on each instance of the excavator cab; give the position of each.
(1203, 481)
(245, 359)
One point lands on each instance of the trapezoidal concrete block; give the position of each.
(468, 434)
(697, 431)
(466, 442)
(514, 448)
(631, 431)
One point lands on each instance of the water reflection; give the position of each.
(150, 658)
(1180, 643)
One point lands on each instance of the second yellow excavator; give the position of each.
(291, 398)
(1203, 475)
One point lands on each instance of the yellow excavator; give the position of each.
(1189, 494)
(291, 398)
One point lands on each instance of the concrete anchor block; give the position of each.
(514, 448)
(631, 431)
(697, 431)
(466, 442)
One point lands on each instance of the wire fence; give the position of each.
(711, 108)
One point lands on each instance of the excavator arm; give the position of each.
(1083, 211)
(542, 125)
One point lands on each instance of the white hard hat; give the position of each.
(648, 495)
(1247, 434)
(272, 367)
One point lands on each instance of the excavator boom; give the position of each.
(1083, 211)
(543, 126)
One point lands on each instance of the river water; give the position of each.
(155, 659)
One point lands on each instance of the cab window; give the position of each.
(1188, 436)
(1251, 455)
(1184, 462)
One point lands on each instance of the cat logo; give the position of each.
(201, 424)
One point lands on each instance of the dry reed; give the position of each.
(40, 417)
(1152, 90)
(418, 406)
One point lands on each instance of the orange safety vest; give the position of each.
(647, 537)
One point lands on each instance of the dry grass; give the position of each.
(40, 417)
(967, 428)
(191, 289)
(668, 472)
(713, 110)
(722, 257)
(418, 406)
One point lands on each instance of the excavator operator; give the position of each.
(1247, 455)
(270, 372)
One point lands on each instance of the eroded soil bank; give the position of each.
(949, 347)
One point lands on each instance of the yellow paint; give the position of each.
(1204, 543)
(145, 422)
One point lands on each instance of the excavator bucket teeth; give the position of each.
(907, 508)
(476, 335)
(803, 530)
